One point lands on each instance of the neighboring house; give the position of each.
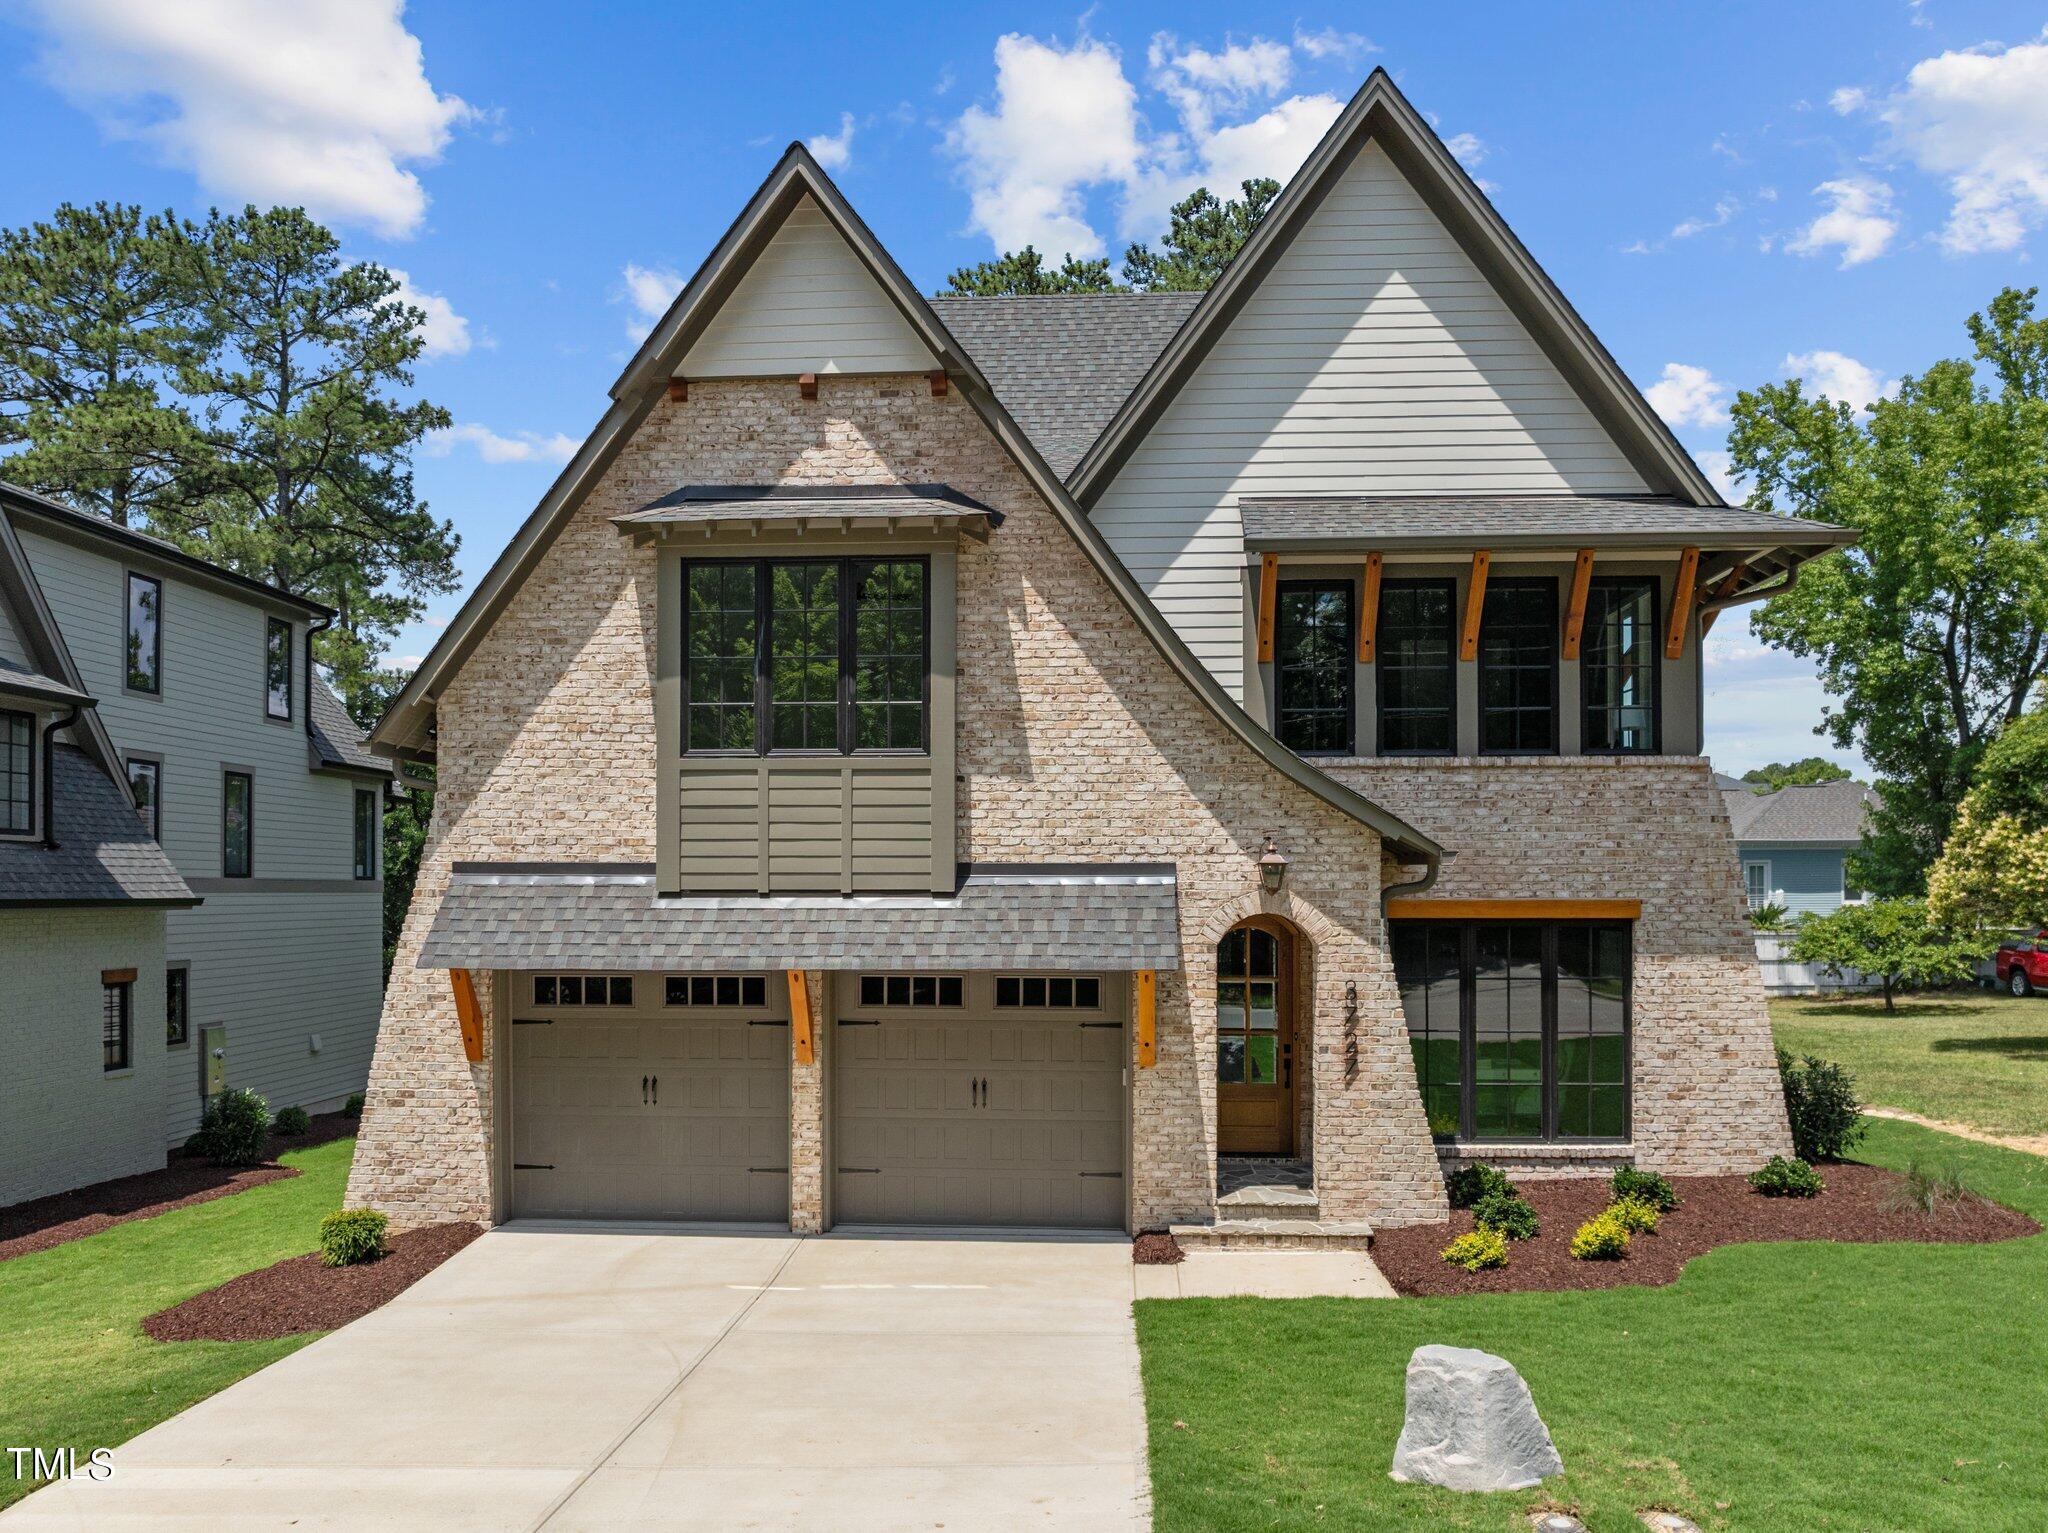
(981, 760)
(229, 754)
(1793, 845)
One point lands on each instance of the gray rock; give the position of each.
(1667, 1522)
(1471, 1424)
(1556, 1522)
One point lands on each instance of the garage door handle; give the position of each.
(643, 1091)
(657, 1091)
(984, 1091)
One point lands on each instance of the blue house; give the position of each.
(1795, 843)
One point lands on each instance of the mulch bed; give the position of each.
(184, 1180)
(1713, 1211)
(1156, 1248)
(303, 1294)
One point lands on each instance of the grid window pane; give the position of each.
(1248, 1046)
(277, 668)
(1312, 666)
(177, 1006)
(1507, 1032)
(721, 638)
(803, 657)
(145, 786)
(17, 771)
(1592, 1032)
(1426, 968)
(888, 654)
(237, 831)
(145, 633)
(116, 1025)
(367, 826)
(544, 990)
(1414, 658)
(1518, 667)
(1619, 666)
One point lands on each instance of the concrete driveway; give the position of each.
(565, 1377)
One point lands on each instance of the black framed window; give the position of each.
(145, 633)
(368, 823)
(748, 990)
(1415, 665)
(583, 990)
(277, 668)
(1518, 668)
(17, 771)
(1048, 992)
(1313, 670)
(795, 655)
(146, 787)
(177, 1007)
(912, 990)
(237, 825)
(1618, 667)
(1519, 1030)
(117, 1023)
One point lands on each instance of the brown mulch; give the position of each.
(185, 1179)
(304, 1294)
(1713, 1211)
(1156, 1248)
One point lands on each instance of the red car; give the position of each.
(2022, 966)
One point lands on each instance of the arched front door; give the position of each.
(1255, 1040)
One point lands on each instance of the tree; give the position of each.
(1023, 272)
(1890, 939)
(1931, 633)
(1200, 241)
(96, 317)
(1994, 868)
(1794, 774)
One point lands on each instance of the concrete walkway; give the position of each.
(645, 1377)
(1264, 1275)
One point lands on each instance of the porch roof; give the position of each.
(607, 916)
(1277, 523)
(705, 506)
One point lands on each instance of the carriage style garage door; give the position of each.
(649, 1096)
(978, 1113)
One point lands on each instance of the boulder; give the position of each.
(1471, 1424)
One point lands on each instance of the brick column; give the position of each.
(807, 1110)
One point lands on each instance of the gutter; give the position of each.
(320, 627)
(63, 721)
(1420, 885)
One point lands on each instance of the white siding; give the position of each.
(806, 306)
(11, 646)
(1375, 358)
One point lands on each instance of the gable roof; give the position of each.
(406, 726)
(1821, 813)
(103, 855)
(37, 626)
(334, 742)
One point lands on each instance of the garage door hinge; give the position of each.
(1114, 1027)
(860, 1170)
(860, 1021)
(1117, 1175)
(770, 1170)
(767, 1022)
(532, 1165)
(533, 1021)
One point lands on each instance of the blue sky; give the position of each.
(1728, 193)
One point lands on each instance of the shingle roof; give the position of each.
(334, 738)
(1822, 812)
(1062, 363)
(696, 503)
(1506, 520)
(509, 916)
(103, 854)
(23, 681)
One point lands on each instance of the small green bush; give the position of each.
(1468, 1184)
(1782, 1178)
(1645, 1187)
(1602, 1238)
(234, 1129)
(1634, 1215)
(1509, 1213)
(1478, 1250)
(353, 1107)
(352, 1235)
(293, 1121)
(1820, 1102)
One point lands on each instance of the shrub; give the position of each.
(353, 1107)
(234, 1129)
(1477, 1251)
(1782, 1178)
(1927, 1192)
(1634, 1215)
(294, 1121)
(1508, 1213)
(1602, 1238)
(1468, 1184)
(1645, 1187)
(1820, 1101)
(352, 1235)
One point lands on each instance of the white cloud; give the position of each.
(1859, 222)
(1688, 396)
(1200, 83)
(1850, 98)
(834, 151)
(1272, 144)
(1725, 208)
(520, 447)
(1329, 43)
(650, 290)
(1719, 467)
(1468, 148)
(445, 332)
(324, 103)
(1840, 377)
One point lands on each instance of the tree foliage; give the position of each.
(1994, 868)
(1892, 941)
(1804, 772)
(1933, 630)
(1025, 272)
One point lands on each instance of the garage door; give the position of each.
(633, 1108)
(979, 1120)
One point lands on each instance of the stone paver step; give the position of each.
(1282, 1234)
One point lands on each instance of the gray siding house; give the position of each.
(249, 783)
(1794, 844)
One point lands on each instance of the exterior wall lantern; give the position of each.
(1272, 868)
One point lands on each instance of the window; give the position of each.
(1518, 668)
(749, 990)
(1519, 1030)
(1312, 667)
(1052, 992)
(911, 990)
(237, 824)
(1415, 660)
(825, 655)
(117, 1002)
(368, 823)
(17, 772)
(145, 784)
(1756, 883)
(583, 990)
(1248, 1007)
(177, 1006)
(1618, 667)
(145, 633)
(277, 668)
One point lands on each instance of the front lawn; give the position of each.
(1974, 1058)
(76, 1370)
(1792, 1387)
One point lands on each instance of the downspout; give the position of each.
(63, 721)
(311, 629)
(1432, 868)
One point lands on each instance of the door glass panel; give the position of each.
(1230, 1058)
(1262, 1060)
(1265, 954)
(1248, 1008)
(1230, 1006)
(1265, 1005)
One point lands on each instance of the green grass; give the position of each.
(1783, 1387)
(1968, 1057)
(76, 1370)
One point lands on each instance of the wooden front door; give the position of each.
(1255, 1041)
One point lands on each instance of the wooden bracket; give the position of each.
(1369, 610)
(468, 1013)
(1722, 592)
(803, 1038)
(938, 378)
(807, 385)
(1681, 603)
(1475, 603)
(678, 390)
(1148, 1018)
(1269, 597)
(1575, 611)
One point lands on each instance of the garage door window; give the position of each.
(749, 990)
(911, 990)
(583, 990)
(1050, 992)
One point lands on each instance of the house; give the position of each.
(1794, 844)
(997, 761)
(216, 819)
